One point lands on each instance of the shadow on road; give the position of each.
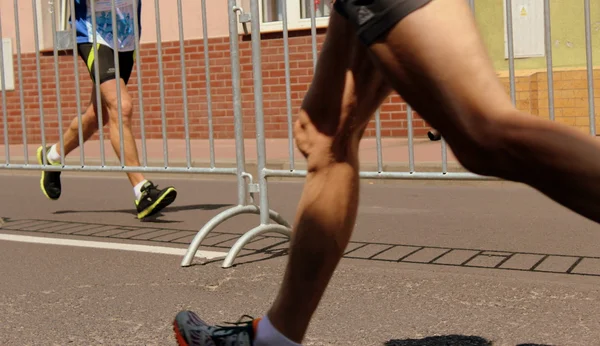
(133, 211)
(447, 340)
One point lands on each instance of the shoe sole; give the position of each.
(41, 162)
(164, 201)
(208, 341)
(180, 339)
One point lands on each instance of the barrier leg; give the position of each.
(248, 236)
(219, 219)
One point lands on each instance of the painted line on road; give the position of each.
(110, 246)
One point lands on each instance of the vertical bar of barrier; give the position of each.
(549, 64)
(39, 81)
(186, 125)
(4, 108)
(95, 46)
(313, 31)
(411, 146)
(590, 68)
(288, 88)
(63, 15)
(136, 32)
(444, 144)
(444, 156)
(162, 85)
(77, 91)
(378, 140)
(258, 104)
(511, 53)
(236, 85)
(21, 91)
(211, 138)
(117, 50)
(57, 83)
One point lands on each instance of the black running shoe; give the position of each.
(50, 181)
(154, 200)
(190, 330)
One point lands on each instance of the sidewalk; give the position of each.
(395, 154)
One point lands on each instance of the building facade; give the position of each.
(567, 44)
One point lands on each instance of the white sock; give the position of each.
(267, 335)
(53, 154)
(137, 189)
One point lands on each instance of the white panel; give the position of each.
(528, 28)
(9, 73)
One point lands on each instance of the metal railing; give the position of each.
(270, 220)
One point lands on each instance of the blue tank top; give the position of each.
(104, 32)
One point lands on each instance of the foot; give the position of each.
(153, 199)
(50, 181)
(190, 330)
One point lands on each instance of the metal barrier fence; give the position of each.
(246, 186)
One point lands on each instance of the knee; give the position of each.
(322, 148)
(486, 145)
(126, 109)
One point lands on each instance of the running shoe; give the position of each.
(190, 330)
(153, 199)
(50, 181)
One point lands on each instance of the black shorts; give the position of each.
(374, 18)
(106, 59)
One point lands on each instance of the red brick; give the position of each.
(393, 112)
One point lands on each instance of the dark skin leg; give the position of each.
(436, 60)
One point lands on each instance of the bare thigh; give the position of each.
(345, 92)
(436, 60)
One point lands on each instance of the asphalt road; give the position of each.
(429, 264)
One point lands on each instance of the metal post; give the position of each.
(590, 68)
(63, 15)
(549, 64)
(313, 31)
(117, 49)
(258, 104)
(288, 88)
(511, 53)
(188, 149)
(161, 85)
(211, 137)
(4, 108)
(411, 146)
(378, 140)
(444, 157)
(57, 85)
(21, 90)
(97, 84)
(138, 57)
(77, 91)
(236, 85)
(39, 81)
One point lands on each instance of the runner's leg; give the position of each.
(436, 60)
(89, 126)
(342, 98)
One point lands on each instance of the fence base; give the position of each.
(228, 214)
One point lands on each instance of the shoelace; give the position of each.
(239, 324)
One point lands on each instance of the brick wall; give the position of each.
(570, 96)
(393, 115)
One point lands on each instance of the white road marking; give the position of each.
(111, 246)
